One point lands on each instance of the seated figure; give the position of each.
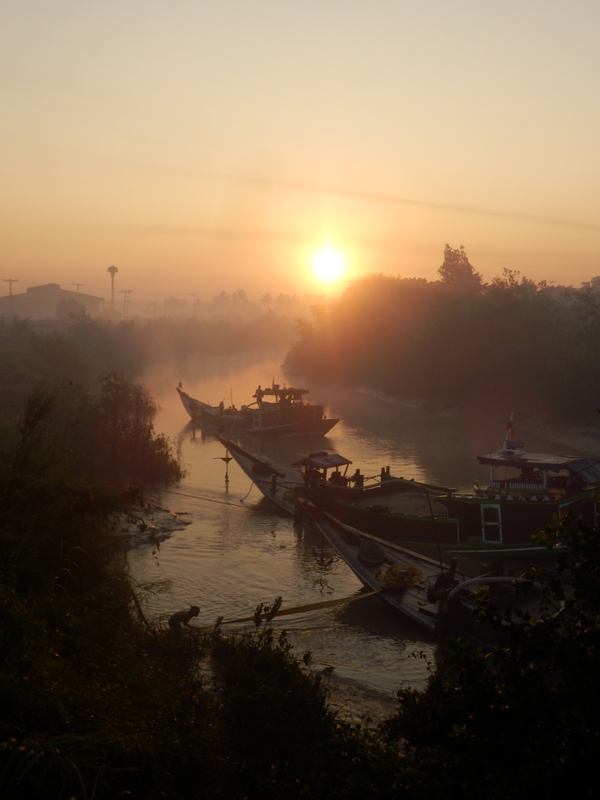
(183, 617)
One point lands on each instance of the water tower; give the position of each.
(112, 271)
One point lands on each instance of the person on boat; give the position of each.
(259, 394)
(221, 406)
(183, 618)
(312, 476)
(338, 479)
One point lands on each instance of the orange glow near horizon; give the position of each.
(204, 155)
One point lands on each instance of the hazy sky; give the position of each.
(201, 146)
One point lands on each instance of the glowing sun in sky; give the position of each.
(328, 265)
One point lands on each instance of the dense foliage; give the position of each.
(513, 342)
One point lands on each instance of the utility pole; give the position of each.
(112, 271)
(126, 293)
(10, 282)
(78, 285)
(194, 296)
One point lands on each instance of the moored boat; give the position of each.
(285, 412)
(437, 599)
(366, 504)
(526, 492)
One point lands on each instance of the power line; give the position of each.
(126, 293)
(10, 282)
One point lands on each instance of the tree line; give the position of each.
(527, 344)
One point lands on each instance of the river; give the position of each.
(239, 550)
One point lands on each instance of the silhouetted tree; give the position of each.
(457, 272)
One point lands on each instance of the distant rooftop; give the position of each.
(45, 287)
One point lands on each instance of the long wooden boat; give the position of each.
(437, 599)
(285, 412)
(526, 492)
(408, 512)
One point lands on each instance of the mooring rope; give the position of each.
(204, 499)
(303, 609)
(247, 493)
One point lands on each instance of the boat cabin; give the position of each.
(314, 469)
(526, 492)
(539, 473)
(281, 396)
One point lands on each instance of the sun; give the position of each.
(328, 265)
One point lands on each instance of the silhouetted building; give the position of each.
(49, 301)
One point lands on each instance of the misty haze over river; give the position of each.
(240, 550)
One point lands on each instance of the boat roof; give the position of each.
(291, 392)
(322, 461)
(587, 468)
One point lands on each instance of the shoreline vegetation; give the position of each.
(96, 702)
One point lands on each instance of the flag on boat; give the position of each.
(509, 427)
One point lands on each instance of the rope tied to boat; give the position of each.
(247, 493)
(303, 609)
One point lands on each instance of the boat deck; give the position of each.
(412, 503)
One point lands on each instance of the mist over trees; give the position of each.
(458, 339)
(79, 349)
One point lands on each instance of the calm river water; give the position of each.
(240, 550)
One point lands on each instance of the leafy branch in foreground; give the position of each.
(522, 717)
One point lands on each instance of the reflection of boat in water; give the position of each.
(285, 412)
(441, 601)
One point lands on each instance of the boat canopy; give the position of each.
(588, 469)
(276, 391)
(322, 461)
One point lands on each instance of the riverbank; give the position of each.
(357, 703)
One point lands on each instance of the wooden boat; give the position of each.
(525, 493)
(284, 413)
(502, 515)
(441, 601)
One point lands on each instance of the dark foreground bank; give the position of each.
(95, 702)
